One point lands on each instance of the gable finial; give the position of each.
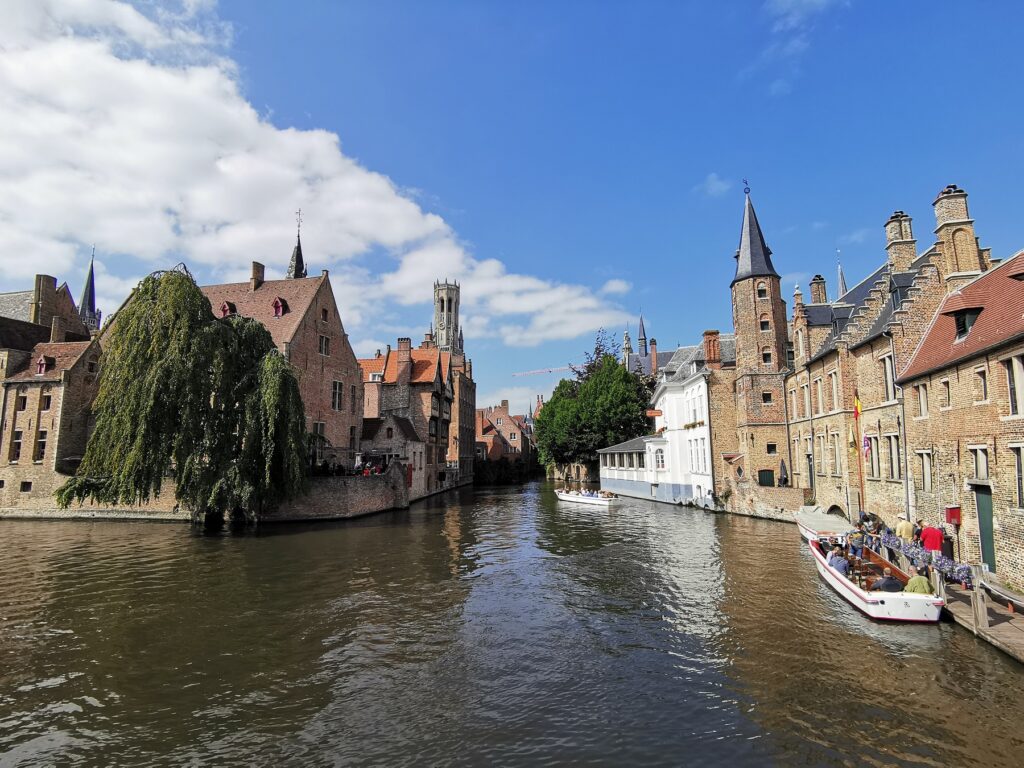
(746, 187)
(298, 222)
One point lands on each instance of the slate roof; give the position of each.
(63, 354)
(16, 305)
(843, 308)
(753, 259)
(681, 367)
(21, 334)
(630, 446)
(298, 294)
(635, 360)
(999, 293)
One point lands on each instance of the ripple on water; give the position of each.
(505, 629)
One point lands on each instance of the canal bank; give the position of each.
(498, 627)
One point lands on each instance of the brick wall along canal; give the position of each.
(504, 628)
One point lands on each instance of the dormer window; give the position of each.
(280, 307)
(43, 364)
(227, 309)
(964, 321)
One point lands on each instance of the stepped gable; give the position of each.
(846, 312)
(999, 294)
(60, 356)
(258, 304)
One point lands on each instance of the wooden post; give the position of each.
(979, 600)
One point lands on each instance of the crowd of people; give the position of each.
(870, 534)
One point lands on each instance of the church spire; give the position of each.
(753, 259)
(87, 306)
(297, 267)
(842, 278)
(641, 337)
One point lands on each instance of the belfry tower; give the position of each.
(448, 333)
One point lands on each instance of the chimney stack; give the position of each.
(818, 293)
(404, 360)
(57, 330)
(256, 278)
(899, 241)
(712, 350)
(654, 356)
(504, 404)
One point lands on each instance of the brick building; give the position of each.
(504, 434)
(391, 438)
(964, 393)
(305, 323)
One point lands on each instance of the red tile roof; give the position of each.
(999, 295)
(372, 365)
(298, 294)
(60, 356)
(424, 363)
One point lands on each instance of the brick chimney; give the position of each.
(479, 422)
(57, 332)
(504, 405)
(899, 242)
(404, 360)
(712, 350)
(818, 293)
(256, 278)
(654, 356)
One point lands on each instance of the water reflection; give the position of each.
(501, 627)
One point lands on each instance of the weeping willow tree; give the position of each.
(205, 400)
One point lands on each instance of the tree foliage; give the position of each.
(605, 404)
(183, 393)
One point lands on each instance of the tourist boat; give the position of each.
(882, 606)
(578, 498)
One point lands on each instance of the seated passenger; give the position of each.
(840, 564)
(888, 583)
(918, 584)
(856, 539)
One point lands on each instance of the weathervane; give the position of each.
(298, 222)
(746, 187)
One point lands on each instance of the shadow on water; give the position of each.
(492, 627)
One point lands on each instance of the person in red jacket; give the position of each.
(931, 538)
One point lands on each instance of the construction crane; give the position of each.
(543, 370)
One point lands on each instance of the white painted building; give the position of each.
(675, 464)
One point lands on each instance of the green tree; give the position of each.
(183, 393)
(605, 404)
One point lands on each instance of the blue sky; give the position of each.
(548, 154)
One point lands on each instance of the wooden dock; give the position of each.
(986, 618)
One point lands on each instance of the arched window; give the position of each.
(762, 290)
(766, 322)
(659, 459)
(323, 315)
(281, 307)
(227, 309)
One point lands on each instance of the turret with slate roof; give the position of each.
(87, 306)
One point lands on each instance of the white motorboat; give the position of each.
(856, 589)
(578, 498)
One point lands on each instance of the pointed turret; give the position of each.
(641, 338)
(87, 306)
(297, 267)
(753, 259)
(627, 346)
(842, 281)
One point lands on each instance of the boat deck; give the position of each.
(1005, 629)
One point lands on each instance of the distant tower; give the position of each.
(297, 267)
(641, 338)
(627, 347)
(448, 333)
(87, 306)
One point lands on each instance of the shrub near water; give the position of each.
(184, 393)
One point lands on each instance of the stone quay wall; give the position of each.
(329, 498)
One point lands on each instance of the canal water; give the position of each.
(495, 628)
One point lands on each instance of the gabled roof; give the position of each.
(373, 365)
(643, 362)
(60, 356)
(425, 364)
(372, 426)
(753, 259)
(844, 307)
(630, 446)
(21, 334)
(1001, 299)
(16, 305)
(259, 304)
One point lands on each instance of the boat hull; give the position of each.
(882, 606)
(591, 500)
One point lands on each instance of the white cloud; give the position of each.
(794, 14)
(126, 127)
(615, 286)
(857, 236)
(713, 185)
